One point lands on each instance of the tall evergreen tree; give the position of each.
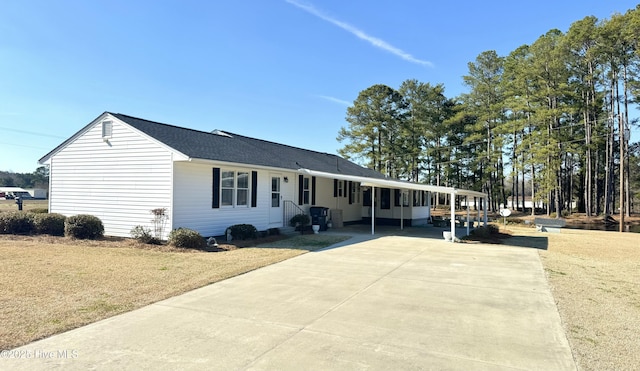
(376, 123)
(486, 102)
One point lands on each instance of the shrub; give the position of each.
(16, 222)
(487, 231)
(299, 220)
(143, 234)
(52, 224)
(186, 238)
(40, 210)
(243, 231)
(516, 221)
(83, 227)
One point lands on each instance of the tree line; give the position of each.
(549, 120)
(37, 179)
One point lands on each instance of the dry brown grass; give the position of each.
(52, 284)
(595, 280)
(10, 205)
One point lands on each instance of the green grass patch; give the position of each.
(307, 242)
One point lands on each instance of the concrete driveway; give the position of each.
(390, 303)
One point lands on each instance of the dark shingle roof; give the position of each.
(244, 150)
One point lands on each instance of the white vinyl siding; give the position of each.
(324, 197)
(119, 181)
(192, 199)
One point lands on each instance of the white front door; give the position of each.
(275, 209)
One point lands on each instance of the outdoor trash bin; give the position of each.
(319, 216)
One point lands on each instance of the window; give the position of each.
(405, 198)
(275, 191)
(355, 192)
(242, 190)
(385, 198)
(340, 188)
(107, 129)
(234, 188)
(228, 182)
(305, 191)
(417, 200)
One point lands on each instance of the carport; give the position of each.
(404, 185)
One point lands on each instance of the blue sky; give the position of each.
(280, 70)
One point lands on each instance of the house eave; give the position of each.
(205, 161)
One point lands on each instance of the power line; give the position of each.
(23, 145)
(32, 133)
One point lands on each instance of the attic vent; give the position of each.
(107, 129)
(221, 133)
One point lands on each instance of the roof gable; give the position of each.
(97, 121)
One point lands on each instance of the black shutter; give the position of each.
(350, 192)
(396, 196)
(216, 188)
(313, 190)
(335, 188)
(254, 188)
(300, 189)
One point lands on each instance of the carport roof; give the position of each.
(392, 183)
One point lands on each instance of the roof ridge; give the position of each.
(161, 123)
(228, 132)
(280, 144)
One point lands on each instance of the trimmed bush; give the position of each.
(186, 238)
(243, 231)
(83, 226)
(143, 234)
(16, 222)
(300, 220)
(52, 224)
(487, 231)
(41, 210)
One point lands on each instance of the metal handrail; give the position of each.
(290, 209)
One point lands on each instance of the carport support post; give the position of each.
(466, 199)
(373, 209)
(401, 212)
(453, 217)
(478, 201)
(485, 206)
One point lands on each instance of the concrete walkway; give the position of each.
(389, 303)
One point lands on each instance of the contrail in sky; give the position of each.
(378, 43)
